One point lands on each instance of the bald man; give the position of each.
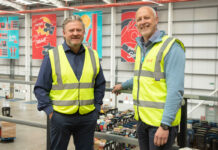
(158, 83)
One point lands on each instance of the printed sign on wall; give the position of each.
(9, 37)
(43, 34)
(93, 25)
(128, 35)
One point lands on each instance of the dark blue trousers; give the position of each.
(82, 127)
(146, 134)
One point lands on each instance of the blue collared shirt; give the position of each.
(174, 67)
(44, 81)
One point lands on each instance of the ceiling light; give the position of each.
(107, 1)
(159, 4)
(44, 1)
(10, 12)
(73, 8)
(25, 2)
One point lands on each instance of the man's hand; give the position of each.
(161, 136)
(117, 88)
(50, 115)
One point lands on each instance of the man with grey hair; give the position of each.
(70, 88)
(158, 83)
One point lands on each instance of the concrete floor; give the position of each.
(27, 138)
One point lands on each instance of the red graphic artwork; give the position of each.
(128, 35)
(43, 34)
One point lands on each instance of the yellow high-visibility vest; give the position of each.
(149, 83)
(69, 95)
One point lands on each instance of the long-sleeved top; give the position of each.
(174, 66)
(44, 82)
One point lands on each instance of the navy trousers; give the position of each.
(82, 127)
(146, 134)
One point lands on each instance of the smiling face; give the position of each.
(146, 22)
(74, 34)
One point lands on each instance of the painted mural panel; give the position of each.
(9, 37)
(93, 27)
(128, 35)
(43, 34)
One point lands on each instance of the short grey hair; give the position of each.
(153, 10)
(72, 19)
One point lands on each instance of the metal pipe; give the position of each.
(100, 135)
(17, 81)
(200, 103)
(23, 122)
(28, 96)
(183, 126)
(201, 97)
(113, 47)
(117, 138)
(170, 18)
(12, 71)
(66, 14)
(93, 6)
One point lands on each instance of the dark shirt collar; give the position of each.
(156, 37)
(67, 48)
(152, 39)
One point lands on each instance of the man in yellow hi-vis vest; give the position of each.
(70, 88)
(158, 83)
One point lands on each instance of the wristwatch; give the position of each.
(164, 126)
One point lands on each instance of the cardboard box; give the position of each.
(8, 129)
(99, 144)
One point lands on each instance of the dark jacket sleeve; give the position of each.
(43, 86)
(99, 89)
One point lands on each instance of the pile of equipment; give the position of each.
(202, 135)
(111, 121)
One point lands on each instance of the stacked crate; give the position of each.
(8, 130)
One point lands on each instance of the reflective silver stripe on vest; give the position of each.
(86, 102)
(93, 64)
(60, 85)
(158, 105)
(57, 66)
(157, 74)
(72, 102)
(73, 86)
(157, 70)
(148, 74)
